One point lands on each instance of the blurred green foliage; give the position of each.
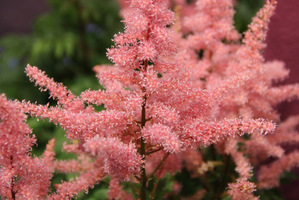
(66, 43)
(245, 10)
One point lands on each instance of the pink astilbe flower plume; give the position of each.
(120, 160)
(159, 134)
(21, 176)
(153, 107)
(242, 190)
(83, 163)
(115, 191)
(243, 166)
(256, 34)
(268, 176)
(70, 189)
(206, 133)
(172, 94)
(57, 90)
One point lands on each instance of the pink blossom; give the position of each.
(57, 90)
(201, 132)
(268, 175)
(68, 190)
(83, 163)
(159, 134)
(121, 160)
(172, 164)
(170, 92)
(115, 191)
(242, 190)
(22, 176)
(243, 166)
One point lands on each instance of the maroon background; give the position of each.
(17, 16)
(283, 44)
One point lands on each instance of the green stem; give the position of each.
(143, 177)
(142, 144)
(160, 164)
(13, 193)
(134, 189)
(152, 196)
(153, 173)
(153, 151)
(223, 181)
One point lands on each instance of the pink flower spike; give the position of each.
(205, 133)
(121, 160)
(68, 190)
(256, 34)
(115, 191)
(268, 176)
(33, 174)
(57, 90)
(242, 190)
(159, 134)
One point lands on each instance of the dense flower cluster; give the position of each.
(174, 88)
(21, 176)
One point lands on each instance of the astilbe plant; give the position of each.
(173, 90)
(22, 177)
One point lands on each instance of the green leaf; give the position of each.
(164, 186)
(273, 194)
(287, 177)
(226, 197)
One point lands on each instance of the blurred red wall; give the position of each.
(17, 16)
(283, 44)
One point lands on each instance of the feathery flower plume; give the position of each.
(171, 94)
(21, 176)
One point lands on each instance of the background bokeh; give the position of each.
(283, 44)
